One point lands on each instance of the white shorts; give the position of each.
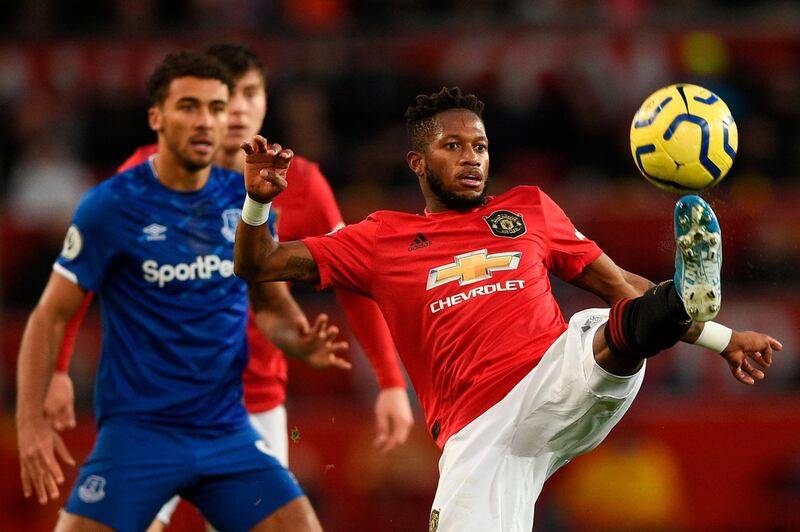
(492, 471)
(271, 426)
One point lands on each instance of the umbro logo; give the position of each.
(155, 232)
(419, 242)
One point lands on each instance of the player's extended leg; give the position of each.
(242, 486)
(68, 522)
(642, 327)
(162, 520)
(133, 468)
(271, 426)
(296, 516)
(492, 471)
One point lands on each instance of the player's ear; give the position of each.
(154, 118)
(416, 162)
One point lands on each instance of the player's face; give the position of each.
(247, 108)
(193, 120)
(455, 163)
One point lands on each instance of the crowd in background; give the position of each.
(560, 90)
(151, 17)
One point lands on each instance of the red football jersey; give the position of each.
(466, 294)
(141, 154)
(306, 208)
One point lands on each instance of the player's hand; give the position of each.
(746, 346)
(40, 471)
(317, 345)
(394, 418)
(59, 404)
(265, 168)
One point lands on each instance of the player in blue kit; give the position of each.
(156, 244)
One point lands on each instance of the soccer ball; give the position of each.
(683, 138)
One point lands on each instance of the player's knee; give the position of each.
(294, 516)
(68, 522)
(157, 526)
(609, 359)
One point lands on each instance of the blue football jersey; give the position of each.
(174, 314)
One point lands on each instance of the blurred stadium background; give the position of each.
(561, 79)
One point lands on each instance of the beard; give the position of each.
(449, 199)
(195, 166)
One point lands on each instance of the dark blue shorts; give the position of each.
(135, 468)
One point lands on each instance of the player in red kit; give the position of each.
(309, 210)
(510, 390)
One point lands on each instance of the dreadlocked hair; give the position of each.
(421, 118)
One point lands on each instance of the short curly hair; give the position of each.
(421, 118)
(183, 64)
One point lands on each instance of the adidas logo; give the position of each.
(419, 242)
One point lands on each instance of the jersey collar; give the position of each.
(452, 213)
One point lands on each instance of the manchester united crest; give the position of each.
(434, 523)
(505, 224)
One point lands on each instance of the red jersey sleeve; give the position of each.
(327, 216)
(138, 157)
(369, 327)
(345, 258)
(569, 251)
(71, 334)
(363, 314)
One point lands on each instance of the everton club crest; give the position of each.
(230, 219)
(506, 224)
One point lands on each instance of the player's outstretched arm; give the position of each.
(281, 320)
(393, 416)
(747, 346)
(37, 440)
(745, 352)
(265, 168)
(59, 403)
(257, 257)
(609, 282)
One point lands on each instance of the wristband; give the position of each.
(714, 336)
(254, 212)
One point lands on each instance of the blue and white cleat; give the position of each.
(698, 258)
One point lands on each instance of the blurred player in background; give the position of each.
(156, 242)
(307, 209)
(510, 391)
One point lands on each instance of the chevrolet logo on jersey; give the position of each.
(473, 267)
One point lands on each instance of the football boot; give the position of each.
(698, 258)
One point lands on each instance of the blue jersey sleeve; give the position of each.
(90, 245)
(271, 224)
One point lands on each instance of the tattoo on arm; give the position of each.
(300, 267)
